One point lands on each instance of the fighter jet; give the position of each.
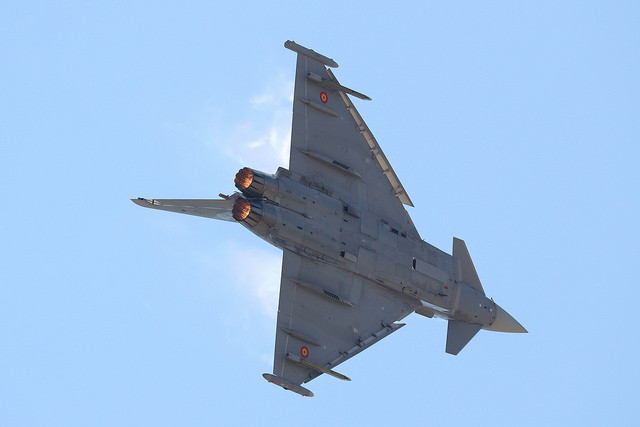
(353, 262)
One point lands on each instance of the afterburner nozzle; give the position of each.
(243, 179)
(241, 209)
(256, 184)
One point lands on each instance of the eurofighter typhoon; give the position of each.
(353, 263)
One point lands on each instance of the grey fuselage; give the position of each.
(294, 214)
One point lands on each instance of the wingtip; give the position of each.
(291, 45)
(296, 388)
(145, 203)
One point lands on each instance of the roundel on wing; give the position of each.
(324, 97)
(304, 352)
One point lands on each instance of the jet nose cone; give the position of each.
(505, 323)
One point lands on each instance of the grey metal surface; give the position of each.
(312, 323)
(339, 153)
(208, 208)
(353, 262)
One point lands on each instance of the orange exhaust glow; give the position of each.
(243, 179)
(241, 209)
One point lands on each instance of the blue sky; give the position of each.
(514, 126)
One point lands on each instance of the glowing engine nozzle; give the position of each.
(241, 209)
(254, 214)
(243, 179)
(254, 183)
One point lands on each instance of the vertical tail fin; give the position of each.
(459, 334)
(468, 271)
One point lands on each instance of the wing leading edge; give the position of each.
(332, 146)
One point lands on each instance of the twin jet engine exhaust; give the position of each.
(256, 187)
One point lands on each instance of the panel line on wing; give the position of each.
(332, 296)
(300, 336)
(318, 107)
(331, 162)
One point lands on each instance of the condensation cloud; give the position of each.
(262, 139)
